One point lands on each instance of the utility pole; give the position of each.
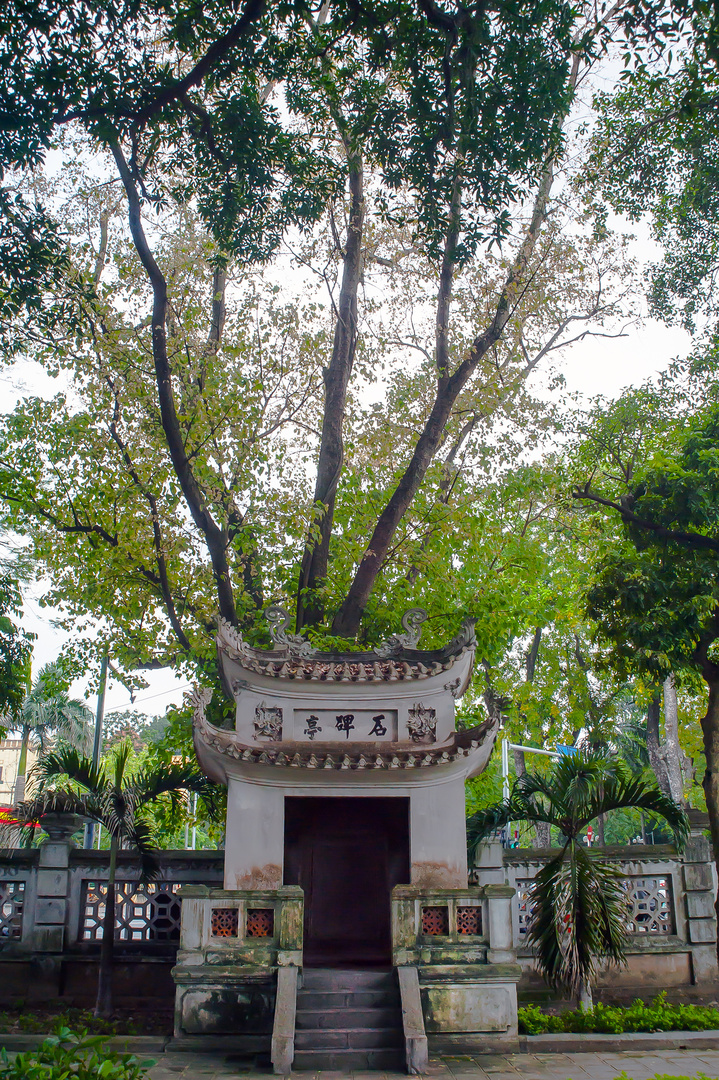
(97, 743)
(506, 746)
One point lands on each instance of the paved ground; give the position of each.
(639, 1066)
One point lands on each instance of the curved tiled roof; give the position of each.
(392, 662)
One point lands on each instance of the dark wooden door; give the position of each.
(347, 854)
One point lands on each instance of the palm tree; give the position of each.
(109, 795)
(577, 900)
(47, 714)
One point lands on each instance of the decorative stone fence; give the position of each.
(52, 901)
(670, 910)
(52, 904)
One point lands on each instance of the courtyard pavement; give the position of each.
(604, 1066)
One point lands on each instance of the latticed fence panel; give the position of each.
(225, 921)
(142, 912)
(260, 922)
(12, 896)
(650, 905)
(435, 920)
(523, 887)
(469, 920)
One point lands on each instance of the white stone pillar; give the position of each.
(53, 881)
(438, 836)
(501, 939)
(255, 836)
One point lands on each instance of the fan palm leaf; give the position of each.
(65, 781)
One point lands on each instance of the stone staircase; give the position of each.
(348, 1020)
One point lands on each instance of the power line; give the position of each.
(150, 697)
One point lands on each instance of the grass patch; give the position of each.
(19, 1020)
(658, 1015)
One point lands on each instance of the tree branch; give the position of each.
(215, 538)
(690, 539)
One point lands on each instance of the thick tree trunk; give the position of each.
(710, 783)
(671, 752)
(656, 761)
(313, 570)
(216, 538)
(542, 829)
(104, 1003)
(347, 620)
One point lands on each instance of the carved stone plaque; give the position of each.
(268, 722)
(422, 723)
(345, 725)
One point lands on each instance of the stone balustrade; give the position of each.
(670, 909)
(459, 942)
(233, 942)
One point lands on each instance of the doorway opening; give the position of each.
(347, 854)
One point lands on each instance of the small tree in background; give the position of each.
(577, 901)
(47, 715)
(118, 801)
(15, 648)
(656, 598)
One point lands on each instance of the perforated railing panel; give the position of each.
(12, 895)
(469, 920)
(435, 920)
(650, 905)
(225, 922)
(142, 912)
(525, 911)
(260, 922)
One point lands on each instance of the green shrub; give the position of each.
(658, 1015)
(72, 1054)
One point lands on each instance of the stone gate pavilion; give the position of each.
(346, 935)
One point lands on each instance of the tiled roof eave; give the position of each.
(358, 757)
(293, 663)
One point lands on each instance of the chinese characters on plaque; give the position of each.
(362, 725)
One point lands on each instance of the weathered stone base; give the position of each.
(468, 1042)
(225, 1002)
(464, 1004)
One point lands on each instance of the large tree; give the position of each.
(426, 136)
(656, 598)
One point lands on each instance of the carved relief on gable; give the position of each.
(268, 722)
(422, 723)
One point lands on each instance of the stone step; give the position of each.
(348, 1039)
(348, 1060)
(349, 1017)
(340, 999)
(329, 979)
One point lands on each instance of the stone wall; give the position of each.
(51, 905)
(670, 911)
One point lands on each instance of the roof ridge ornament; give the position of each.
(465, 639)
(295, 644)
(232, 640)
(412, 622)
